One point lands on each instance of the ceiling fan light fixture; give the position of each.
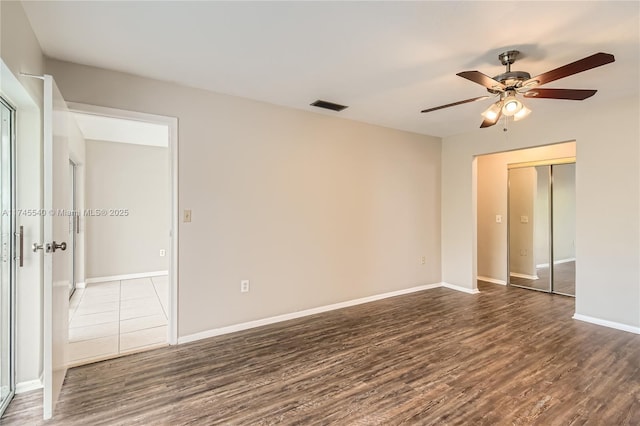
(511, 105)
(493, 111)
(523, 113)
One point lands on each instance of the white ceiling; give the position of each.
(386, 60)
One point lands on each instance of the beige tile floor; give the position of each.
(117, 317)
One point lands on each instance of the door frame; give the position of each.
(172, 125)
(13, 255)
(74, 228)
(19, 92)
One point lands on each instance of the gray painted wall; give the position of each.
(134, 178)
(312, 209)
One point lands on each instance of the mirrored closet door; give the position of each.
(542, 226)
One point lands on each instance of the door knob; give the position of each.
(49, 248)
(55, 246)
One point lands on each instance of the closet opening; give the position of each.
(525, 224)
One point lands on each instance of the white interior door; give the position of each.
(56, 262)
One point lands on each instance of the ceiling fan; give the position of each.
(508, 85)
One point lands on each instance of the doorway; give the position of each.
(126, 302)
(492, 207)
(7, 266)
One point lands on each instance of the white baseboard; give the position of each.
(28, 386)
(491, 280)
(81, 285)
(459, 288)
(606, 323)
(525, 276)
(126, 277)
(285, 317)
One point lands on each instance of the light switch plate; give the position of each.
(187, 216)
(524, 219)
(498, 218)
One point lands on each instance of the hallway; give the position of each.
(116, 318)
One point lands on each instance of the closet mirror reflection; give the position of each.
(542, 226)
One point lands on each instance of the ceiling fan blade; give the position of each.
(455, 103)
(583, 64)
(570, 94)
(483, 80)
(488, 122)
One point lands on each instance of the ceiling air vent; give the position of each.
(328, 105)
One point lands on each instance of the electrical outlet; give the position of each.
(163, 252)
(423, 260)
(187, 216)
(244, 286)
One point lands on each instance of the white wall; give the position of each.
(607, 180)
(135, 178)
(312, 209)
(19, 47)
(20, 52)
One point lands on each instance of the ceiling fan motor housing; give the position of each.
(508, 57)
(511, 79)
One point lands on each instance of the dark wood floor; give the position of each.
(504, 356)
